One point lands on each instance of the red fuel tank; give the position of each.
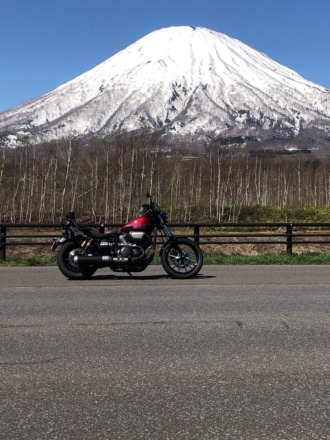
(142, 223)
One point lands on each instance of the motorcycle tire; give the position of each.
(182, 258)
(68, 267)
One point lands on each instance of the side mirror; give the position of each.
(71, 215)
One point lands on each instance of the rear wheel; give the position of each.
(67, 265)
(182, 258)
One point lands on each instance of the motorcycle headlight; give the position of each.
(165, 216)
(66, 221)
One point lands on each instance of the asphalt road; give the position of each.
(240, 352)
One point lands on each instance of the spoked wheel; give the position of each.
(67, 265)
(182, 258)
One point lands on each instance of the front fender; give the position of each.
(172, 240)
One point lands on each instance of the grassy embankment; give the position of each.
(308, 258)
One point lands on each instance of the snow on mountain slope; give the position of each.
(182, 80)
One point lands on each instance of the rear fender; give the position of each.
(65, 238)
(59, 240)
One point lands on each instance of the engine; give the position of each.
(133, 244)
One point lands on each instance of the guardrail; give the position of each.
(284, 234)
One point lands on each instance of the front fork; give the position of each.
(170, 239)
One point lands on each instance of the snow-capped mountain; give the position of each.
(183, 81)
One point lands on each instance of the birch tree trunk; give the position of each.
(66, 176)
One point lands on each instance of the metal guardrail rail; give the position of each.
(285, 234)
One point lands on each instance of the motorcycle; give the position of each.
(132, 249)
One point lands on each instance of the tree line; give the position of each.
(107, 181)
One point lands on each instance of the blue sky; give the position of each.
(44, 43)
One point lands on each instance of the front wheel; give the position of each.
(67, 265)
(182, 258)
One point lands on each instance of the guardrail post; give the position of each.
(3, 232)
(196, 234)
(289, 237)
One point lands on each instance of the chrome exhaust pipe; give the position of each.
(103, 260)
(91, 259)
